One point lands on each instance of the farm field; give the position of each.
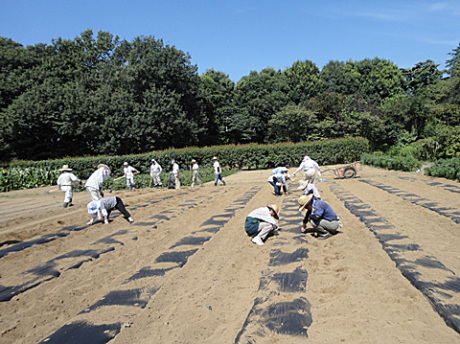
(186, 272)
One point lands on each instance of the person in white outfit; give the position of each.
(94, 183)
(155, 170)
(175, 172)
(128, 172)
(260, 223)
(309, 188)
(64, 182)
(196, 173)
(217, 171)
(311, 169)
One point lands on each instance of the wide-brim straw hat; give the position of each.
(104, 166)
(215, 158)
(65, 168)
(275, 209)
(193, 161)
(304, 201)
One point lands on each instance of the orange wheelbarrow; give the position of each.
(348, 171)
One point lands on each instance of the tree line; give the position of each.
(98, 94)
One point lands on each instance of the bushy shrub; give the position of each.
(445, 168)
(403, 163)
(248, 156)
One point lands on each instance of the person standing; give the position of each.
(260, 223)
(320, 215)
(155, 170)
(195, 173)
(128, 172)
(175, 173)
(64, 182)
(104, 207)
(311, 169)
(94, 183)
(217, 171)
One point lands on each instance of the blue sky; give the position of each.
(236, 37)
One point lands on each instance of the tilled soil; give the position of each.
(186, 272)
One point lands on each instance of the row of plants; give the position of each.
(401, 163)
(248, 156)
(16, 178)
(445, 168)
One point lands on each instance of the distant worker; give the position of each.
(155, 170)
(320, 215)
(128, 172)
(195, 173)
(311, 169)
(278, 179)
(64, 182)
(282, 169)
(175, 174)
(260, 223)
(217, 171)
(94, 183)
(104, 207)
(309, 188)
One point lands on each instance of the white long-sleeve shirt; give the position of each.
(66, 179)
(96, 179)
(307, 165)
(155, 168)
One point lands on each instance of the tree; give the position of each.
(257, 97)
(303, 81)
(217, 91)
(293, 123)
(420, 76)
(453, 64)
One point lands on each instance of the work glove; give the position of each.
(90, 222)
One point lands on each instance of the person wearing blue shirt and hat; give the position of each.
(104, 206)
(320, 215)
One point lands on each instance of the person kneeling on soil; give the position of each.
(321, 216)
(105, 206)
(260, 223)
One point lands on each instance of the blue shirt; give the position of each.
(323, 210)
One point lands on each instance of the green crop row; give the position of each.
(445, 168)
(391, 163)
(25, 178)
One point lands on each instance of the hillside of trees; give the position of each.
(97, 94)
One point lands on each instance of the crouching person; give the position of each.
(104, 206)
(320, 215)
(260, 223)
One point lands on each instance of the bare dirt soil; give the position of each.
(186, 272)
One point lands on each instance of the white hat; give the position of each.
(104, 166)
(92, 207)
(65, 168)
(125, 163)
(215, 158)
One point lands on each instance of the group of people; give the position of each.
(262, 222)
(101, 206)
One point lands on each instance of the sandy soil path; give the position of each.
(185, 271)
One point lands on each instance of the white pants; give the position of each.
(68, 193)
(310, 176)
(130, 181)
(177, 181)
(93, 193)
(156, 178)
(196, 178)
(264, 230)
